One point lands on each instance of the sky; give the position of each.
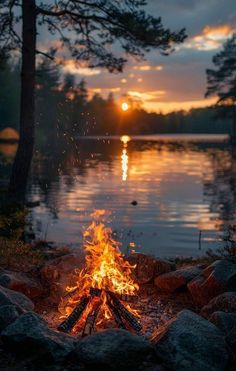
(177, 81)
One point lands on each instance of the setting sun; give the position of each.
(124, 106)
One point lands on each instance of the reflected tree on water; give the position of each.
(220, 184)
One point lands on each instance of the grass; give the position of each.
(19, 256)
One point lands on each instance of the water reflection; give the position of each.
(180, 189)
(124, 164)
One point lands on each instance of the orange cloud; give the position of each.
(73, 67)
(146, 67)
(210, 37)
(166, 107)
(146, 96)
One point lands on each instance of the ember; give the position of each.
(103, 287)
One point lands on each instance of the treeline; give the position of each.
(64, 109)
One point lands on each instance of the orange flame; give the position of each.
(105, 269)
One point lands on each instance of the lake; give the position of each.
(163, 195)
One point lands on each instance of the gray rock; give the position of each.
(8, 314)
(224, 321)
(114, 350)
(21, 282)
(10, 297)
(214, 280)
(189, 342)
(30, 335)
(231, 340)
(170, 282)
(225, 302)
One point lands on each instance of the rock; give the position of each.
(148, 267)
(21, 282)
(30, 335)
(8, 314)
(10, 297)
(154, 368)
(225, 302)
(170, 282)
(231, 340)
(113, 350)
(224, 321)
(59, 273)
(214, 280)
(189, 342)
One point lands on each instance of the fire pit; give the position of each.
(104, 289)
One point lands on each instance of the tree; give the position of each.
(9, 92)
(90, 29)
(222, 79)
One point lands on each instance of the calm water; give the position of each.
(181, 188)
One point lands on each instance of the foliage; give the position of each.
(16, 255)
(12, 221)
(89, 29)
(229, 249)
(222, 79)
(9, 92)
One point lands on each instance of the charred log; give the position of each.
(91, 319)
(116, 315)
(70, 321)
(125, 313)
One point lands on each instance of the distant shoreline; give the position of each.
(215, 138)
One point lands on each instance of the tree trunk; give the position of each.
(21, 166)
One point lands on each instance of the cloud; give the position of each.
(147, 96)
(147, 67)
(210, 38)
(166, 107)
(71, 66)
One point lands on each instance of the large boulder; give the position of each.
(189, 342)
(59, 273)
(30, 335)
(224, 321)
(10, 297)
(225, 302)
(148, 267)
(113, 350)
(21, 282)
(220, 276)
(231, 341)
(8, 314)
(172, 281)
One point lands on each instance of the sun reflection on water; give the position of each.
(124, 164)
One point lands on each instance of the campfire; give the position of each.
(104, 289)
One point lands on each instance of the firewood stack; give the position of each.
(122, 316)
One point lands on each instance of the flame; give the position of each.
(105, 269)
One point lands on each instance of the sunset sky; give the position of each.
(179, 80)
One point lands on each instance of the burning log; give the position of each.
(91, 319)
(109, 277)
(95, 292)
(116, 315)
(125, 313)
(70, 321)
(124, 297)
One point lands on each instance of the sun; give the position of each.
(124, 106)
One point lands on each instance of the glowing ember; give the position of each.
(105, 269)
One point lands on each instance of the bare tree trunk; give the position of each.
(21, 166)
